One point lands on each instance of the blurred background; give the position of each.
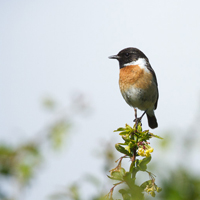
(60, 99)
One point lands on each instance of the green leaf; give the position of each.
(145, 132)
(143, 163)
(126, 197)
(143, 167)
(132, 144)
(115, 175)
(156, 136)
(132, 167)
(125, 130)
(126, 139)
(122, 149)
(139, 128)
(128, 127)
(153, 194)
(124, 133)
(122, 171)
(137, 192)
(158, 189)
(144, 185)
(127, 176)
(125, 194)
(120, 129)
(122, 191)
(128, 179)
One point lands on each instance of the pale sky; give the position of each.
(59, 47)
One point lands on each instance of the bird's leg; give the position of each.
(137, 120)
(140, 118)
(135, 113)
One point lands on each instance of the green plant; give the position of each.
(135, 145)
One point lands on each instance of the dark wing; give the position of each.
(154, 76)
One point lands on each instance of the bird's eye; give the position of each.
(127, 54)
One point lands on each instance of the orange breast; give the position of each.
(134, 75)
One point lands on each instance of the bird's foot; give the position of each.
(137, 121)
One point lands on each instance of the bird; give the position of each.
(138, 83)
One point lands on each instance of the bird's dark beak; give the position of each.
(114, 57)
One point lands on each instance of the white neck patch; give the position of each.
(141, 62)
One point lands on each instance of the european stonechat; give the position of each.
(138, 83)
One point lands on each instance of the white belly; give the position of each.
(139, 98)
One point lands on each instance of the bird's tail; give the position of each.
(152, 121)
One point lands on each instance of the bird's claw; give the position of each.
(137, 120)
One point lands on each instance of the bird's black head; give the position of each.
(128, 55)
